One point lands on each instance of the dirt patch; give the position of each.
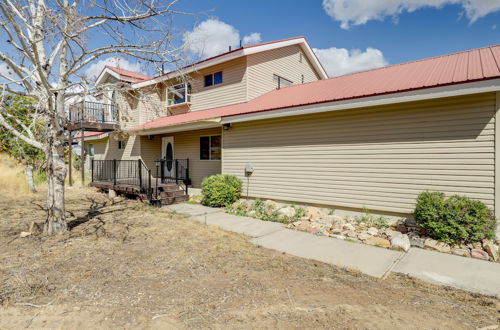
(128, 265)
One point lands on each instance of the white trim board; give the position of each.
(417, 95)
(202, 124)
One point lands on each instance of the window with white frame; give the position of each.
(210, 147)
(213, 79)
(281, 82)
(179, 94)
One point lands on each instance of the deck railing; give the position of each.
(93, 112)
(173, 170)
(124, 172)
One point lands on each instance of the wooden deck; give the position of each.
(166, 194)
(119, 187)
(93, 126)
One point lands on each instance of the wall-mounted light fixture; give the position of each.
(226, 126)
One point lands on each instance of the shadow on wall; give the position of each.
(458, 118)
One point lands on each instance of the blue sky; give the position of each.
(401, 30)
(348, 35)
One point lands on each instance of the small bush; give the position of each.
(220, 190)
(453, 220)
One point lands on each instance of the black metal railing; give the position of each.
(93, 112)
(123, 172)
(174, 170)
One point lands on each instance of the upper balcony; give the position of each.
(93, 116)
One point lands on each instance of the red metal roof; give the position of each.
(130, 74)
(467, 66)
(88, 134)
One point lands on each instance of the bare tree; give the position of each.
(49, 46)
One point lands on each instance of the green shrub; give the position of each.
(454, 220)
(220, 190)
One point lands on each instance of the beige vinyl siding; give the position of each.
(379, 157)
(186, 145)
(283, 62)
(232, 90)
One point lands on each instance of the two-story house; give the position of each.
(234, 77)
(266, 113)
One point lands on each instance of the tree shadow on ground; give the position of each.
(95, 210)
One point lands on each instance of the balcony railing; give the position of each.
(93, 112)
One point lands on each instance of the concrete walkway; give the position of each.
(439, 268)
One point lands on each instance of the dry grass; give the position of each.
(127, 265)
(12, 178)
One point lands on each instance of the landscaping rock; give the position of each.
(349, 227)
(461, 252)
(287, 211)
(372, 231)
(417, 242)
(333, 219)
(364, 236)
(337, 236)
(492, 250)
(24, 234)
(313, 213)
(303, 225)
(479, 254)
(477, 245)
(377, 241)
(270, 204)
(401, 242)
(352, 234)
(391, 233)
(437, 246)
(402, 228)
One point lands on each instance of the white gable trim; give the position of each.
(240, 53)
(103, 74)
(417, 95)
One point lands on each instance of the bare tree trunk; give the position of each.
(28, 172)
(56, 173)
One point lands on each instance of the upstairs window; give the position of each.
(179, 94)
(213, 79)
(122, 144)
(210, 147)
(281, 82)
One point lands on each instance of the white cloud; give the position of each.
(5, 70)
(357, 12)
(252, 38)
(213, 37)
(339, 61)
(95, 69)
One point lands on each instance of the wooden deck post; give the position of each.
(82, 160)
(70, 160)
